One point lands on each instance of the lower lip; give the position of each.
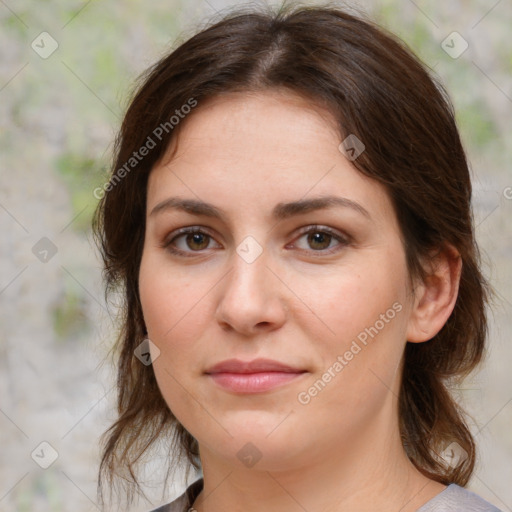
(253, 382)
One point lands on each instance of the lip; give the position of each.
(254, 376)
(253, 382)
(255, 366)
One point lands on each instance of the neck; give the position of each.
(370, 472)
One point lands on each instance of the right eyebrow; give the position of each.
(191, 206)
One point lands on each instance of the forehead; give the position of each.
(270, 145)
(279, 119)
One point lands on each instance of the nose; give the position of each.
(251, 298)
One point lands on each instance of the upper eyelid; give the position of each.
(177, 233)
(340, 236)
(321, 228)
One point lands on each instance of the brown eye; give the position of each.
(188, 241)
(319, 240)
(197, 241)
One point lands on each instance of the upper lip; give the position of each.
(254, 366)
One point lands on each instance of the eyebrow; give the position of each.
(280, 212)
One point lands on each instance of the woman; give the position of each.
(289, 220)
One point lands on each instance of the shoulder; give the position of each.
(457, 499)
(184, 502)
(453, 499)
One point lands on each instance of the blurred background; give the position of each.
(66, 70)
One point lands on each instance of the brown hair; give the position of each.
(376, 89)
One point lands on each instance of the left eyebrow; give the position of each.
(280, 211)
(285, 210)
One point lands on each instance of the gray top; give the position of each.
(453, 499)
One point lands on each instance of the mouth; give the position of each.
(254, 376)
(253, 382)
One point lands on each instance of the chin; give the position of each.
(264, 448)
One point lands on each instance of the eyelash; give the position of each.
(343, 240)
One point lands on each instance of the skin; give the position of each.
(295, 303)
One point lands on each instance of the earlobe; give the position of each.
(435, 297)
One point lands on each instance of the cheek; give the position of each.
(349, 301)
(361, 336)
(171, 301)
(173, 312)
(178, 311)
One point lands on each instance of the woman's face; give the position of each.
(270, 274)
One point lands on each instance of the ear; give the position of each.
(436, 295)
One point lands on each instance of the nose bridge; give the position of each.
(249, 278)
(248, 263)
(250, 295)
